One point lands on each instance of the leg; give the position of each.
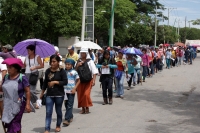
(130, 80)
(104, 88)
(110, 92)
(58, 107)
(49, 110)
(69, 108)
(117, 87)
(121, 85)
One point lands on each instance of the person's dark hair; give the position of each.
(31, 47)
(106, 52)
(17, 67)
(56, 57)
(144, 49)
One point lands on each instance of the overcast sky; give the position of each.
(179, 9)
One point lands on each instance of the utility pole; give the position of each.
(178, 28)
(155, 28)
(163, 29)
(169, 9)
(185, 29)
(83, 21)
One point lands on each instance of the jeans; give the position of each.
(137, 72)
(168, 61)
(120, 85)
(179, 60)
(152, 67)
(131, 79)
(144, 72)
(69, 107)
(107, 83)
(190, 59)
(49, 110)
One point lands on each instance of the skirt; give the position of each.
(15, 125)
(83, 93)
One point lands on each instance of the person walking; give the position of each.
(70, 90)
(145, 63)
(15, 87)
(107, 65)
(32, 64)
(131, 62)
(87, 72)
(71, 54)
(55, 79)
(120, 74)
(168, 57)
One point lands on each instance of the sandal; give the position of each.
(82, 111)
(87, 110)
(57, 129)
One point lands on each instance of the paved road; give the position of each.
(167, 103)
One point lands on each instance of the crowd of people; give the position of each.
(77, 74)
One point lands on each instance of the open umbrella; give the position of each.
(42, 48)
(133, 51)
(87, 44)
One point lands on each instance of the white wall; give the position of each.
(63, 44)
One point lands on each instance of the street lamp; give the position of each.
(83, 21)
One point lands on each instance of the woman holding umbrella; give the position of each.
(32, 63)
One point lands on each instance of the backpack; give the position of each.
(84, 72)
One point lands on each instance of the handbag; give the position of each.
(34, 75)
(44, 99)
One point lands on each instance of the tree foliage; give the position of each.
(44, 19)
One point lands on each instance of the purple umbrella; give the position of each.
(133, 51)
(42, 48)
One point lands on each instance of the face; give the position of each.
(70, 51)
(11, 70)
(4, 50)
(68, 66)
(83, 55)
(106, 56)
(144, 52)
(120, 55)
(30, 52)
(54, 63)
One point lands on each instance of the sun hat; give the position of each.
(12, 61)
(56, 48)
(84, 50)
(8, 46)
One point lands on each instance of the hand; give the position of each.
(73, 91)
(41, 95)
(32, 68)
(80, 63)
(93, 83)
(51, 84)
(107, 66)
(28, 108)
(103, 66)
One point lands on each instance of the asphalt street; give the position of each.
(167, 103)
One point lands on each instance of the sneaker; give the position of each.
(66, 123)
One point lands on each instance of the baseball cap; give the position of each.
(8, 46)
(71, 48)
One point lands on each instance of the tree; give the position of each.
(124, 14)
(44, 19)
(196, 22)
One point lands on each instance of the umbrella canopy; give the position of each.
(42, 48)
(133, 51)
(87, 44)
(179, 44)
(166, 45)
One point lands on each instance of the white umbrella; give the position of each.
(87, 44)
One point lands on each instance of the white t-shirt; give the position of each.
(33, 63)
(2, 68)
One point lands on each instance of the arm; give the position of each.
(28, 97)
(41, 64)
(94, 79)
(64, 79)
(112, 66)
(75, 87)
(98, 66)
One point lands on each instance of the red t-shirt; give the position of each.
(120, 66)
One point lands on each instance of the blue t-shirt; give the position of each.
(72, 76)
(130, 67)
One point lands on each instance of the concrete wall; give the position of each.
(63, 44)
